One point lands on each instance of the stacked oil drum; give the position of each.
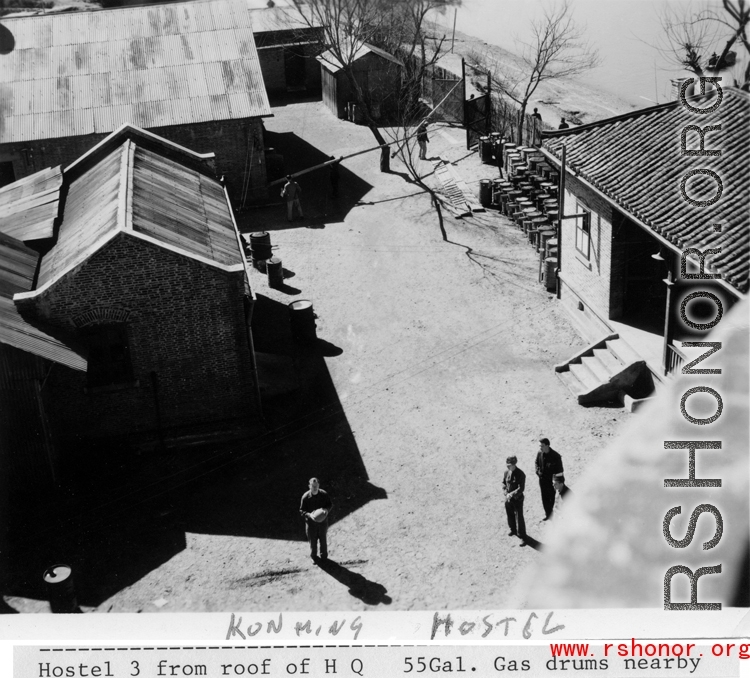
(258, 248)
(528, 194)
(301, 313)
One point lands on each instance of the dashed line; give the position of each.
(214, 647)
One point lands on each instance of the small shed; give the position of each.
(287, 43)
(377, 73)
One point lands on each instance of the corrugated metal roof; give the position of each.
(29, 206)
(89, 217)
(635, 160)
(272, 19)
(169, 201)
(332, 63)
(182, 207)
(80, 61)
(17, 265)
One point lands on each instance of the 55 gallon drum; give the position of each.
(302, 321)
(260, 247)
(485, 192)
(60, 589)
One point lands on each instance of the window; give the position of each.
(109, 357)
(583, 231)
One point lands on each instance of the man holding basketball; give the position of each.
(314, 508)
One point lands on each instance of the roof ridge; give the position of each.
(125, 188)
(555, 134)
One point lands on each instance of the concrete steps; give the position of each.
(602, 371)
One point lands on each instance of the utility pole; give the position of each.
(453, 38)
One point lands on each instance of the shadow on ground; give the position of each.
(260, 497)
(369, 592)
(124, 516)
(318, 202)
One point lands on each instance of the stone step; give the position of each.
(571, 381)
(623, 352)
(608, 359)
(588, 379)
(597, 368)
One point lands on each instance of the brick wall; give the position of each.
(228, 139)
(186, 322)
(588, 279)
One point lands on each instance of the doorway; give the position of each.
(294, 69)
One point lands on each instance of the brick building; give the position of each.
(620, 256)
(142, 268)
(187, 71)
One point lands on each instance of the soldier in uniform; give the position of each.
(514, 482)
(548, 462)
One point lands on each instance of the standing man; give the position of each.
(291, 193)
(314, 508)
(561, 489)
(514, 483)
(548, 462)
(537, 118)
(563, 124)
(422, 139)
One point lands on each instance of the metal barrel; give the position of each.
(61, 591)
(275, 272)
(485, 192)
(485, 149)
(550, 281)
(260, 247)
(302, 321)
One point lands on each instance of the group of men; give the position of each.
(316, 505)
(549, 469)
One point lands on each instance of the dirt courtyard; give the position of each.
(435, 362)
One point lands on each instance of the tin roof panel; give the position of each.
(29, 206)
(176, 51)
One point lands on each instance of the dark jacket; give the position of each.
(310, 502)
(548, 463)
(514, 482)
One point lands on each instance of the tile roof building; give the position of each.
(142, 291)
(623, 179)
(189, 71)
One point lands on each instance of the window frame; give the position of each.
(583, 231)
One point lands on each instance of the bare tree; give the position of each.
(397, 26)
(690, 35)
(558, 49)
